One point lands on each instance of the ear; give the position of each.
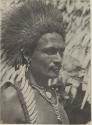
(21, 59)
(26, 58)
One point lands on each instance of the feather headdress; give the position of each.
(24, 27)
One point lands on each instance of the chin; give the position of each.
(53, 75)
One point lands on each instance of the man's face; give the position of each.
(47, 57)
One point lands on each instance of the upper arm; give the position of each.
(11, 110)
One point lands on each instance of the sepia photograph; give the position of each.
(45, 62)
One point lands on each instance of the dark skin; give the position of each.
(45, 64)
(47, 58)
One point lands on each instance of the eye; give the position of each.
(50, 51)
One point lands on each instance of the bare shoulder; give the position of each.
(11, 107)
(9, 93)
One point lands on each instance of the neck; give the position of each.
(39, 80)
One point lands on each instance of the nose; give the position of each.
(58, 60)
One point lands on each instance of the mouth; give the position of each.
(56, 70)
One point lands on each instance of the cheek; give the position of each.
(40, 62)
(44, 61)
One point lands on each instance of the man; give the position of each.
(32, 49)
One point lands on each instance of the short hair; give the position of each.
(24, 27)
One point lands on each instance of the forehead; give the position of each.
(51, 40)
